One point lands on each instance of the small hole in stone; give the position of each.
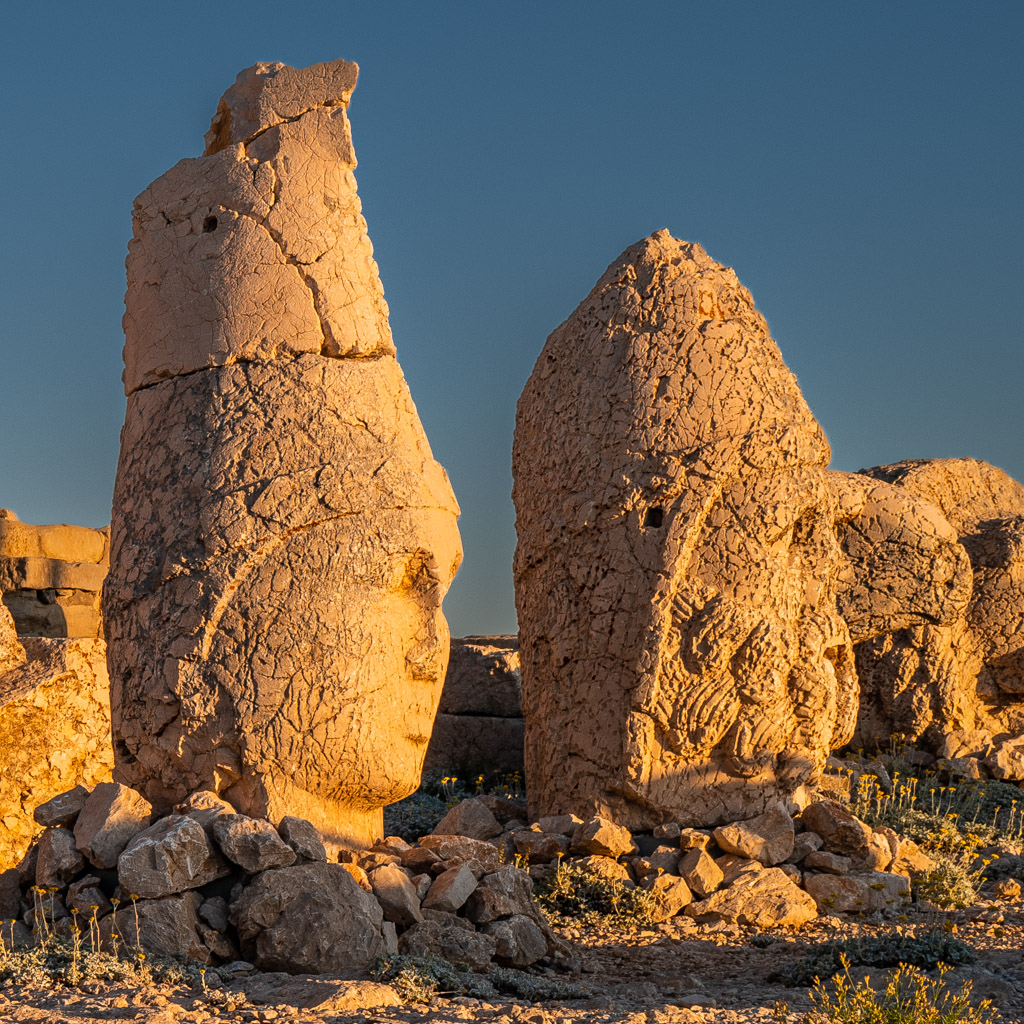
(654, 517)
(210, 224)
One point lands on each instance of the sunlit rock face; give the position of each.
(682, 655)
(282, 537)
(953, 677)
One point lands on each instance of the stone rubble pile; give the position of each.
(769, 871)
(212, 886)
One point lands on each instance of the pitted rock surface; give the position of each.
(54, 729)
(282, 537)
(682, 655)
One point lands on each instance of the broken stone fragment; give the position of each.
(451, 938)
(396, 895)
(700, 872)
(764, 899)
(303, 837)
(830, 863)
(470, 818)
(604, 867)
(308, 919)
(87, 897)
(603, 838)
(803, 844)
(518, 941)
(863, 892)
(62, 809)
(733, 867)
(671, 895)
(170, 856)
(840, 831)
(456, 850)
(767, 838)
(450, 890)
(58, 859)
(251, 843)
(166, 927)
(540, 847)
(205, 807)
(111, 816)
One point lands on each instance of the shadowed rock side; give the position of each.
(682, 656)
(951, 672)
(282, 538)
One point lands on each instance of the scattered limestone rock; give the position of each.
(604, 867)
(602, 838)
(456, 850)
(453, 938)
(540, 847)
(858, 893)
(471, 818)
(840, 831)
(450, 890)
(764, 899)
(700, 872)
(308, 919)
(397, 895)
(803, 844)
(830, 863)
(172, 855)
(768, 838)
(302, 837)
(251, 843)
(62, 809)
(518, 941)
(111, 816)
(58, 859)
(672, 894)
(166, 927)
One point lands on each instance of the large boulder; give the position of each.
(282, 537)
(170, 856)
(761, 899)
(308, 919)
(683, 658)
(54, 729)
(111, 817)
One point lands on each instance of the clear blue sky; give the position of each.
(860, 165)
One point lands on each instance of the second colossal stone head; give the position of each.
(282, 537)
(683, 658)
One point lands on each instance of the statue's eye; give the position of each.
(654, 517)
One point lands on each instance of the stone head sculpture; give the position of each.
(682, 655)
(282, 537)
(941, 658)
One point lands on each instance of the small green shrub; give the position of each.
(572, 893)
(891, 949)
(910, 997)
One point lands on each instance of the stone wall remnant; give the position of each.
(51, 577)
(282, 537)
(682, 655)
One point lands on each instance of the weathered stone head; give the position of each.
(282, 537)
(682, 655)
(943, 661)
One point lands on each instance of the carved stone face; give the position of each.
(692, 666)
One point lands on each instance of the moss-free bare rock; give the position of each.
(282, 537)
(308, 919)
(111, 817)
(172, 855)
(683, 658)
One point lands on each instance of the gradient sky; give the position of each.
(861, 166)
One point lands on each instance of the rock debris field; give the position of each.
(763, 722)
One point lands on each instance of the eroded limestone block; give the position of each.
(282, 537)
(957, 670)
(682, 655)
(54, 727)
(51, 577)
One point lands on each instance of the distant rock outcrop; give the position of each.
(282, 537)
(51, 577)
(682, 655)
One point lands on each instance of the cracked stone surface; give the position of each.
(952, 677)
(282, 537)
(54, 727)
(682, 654)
